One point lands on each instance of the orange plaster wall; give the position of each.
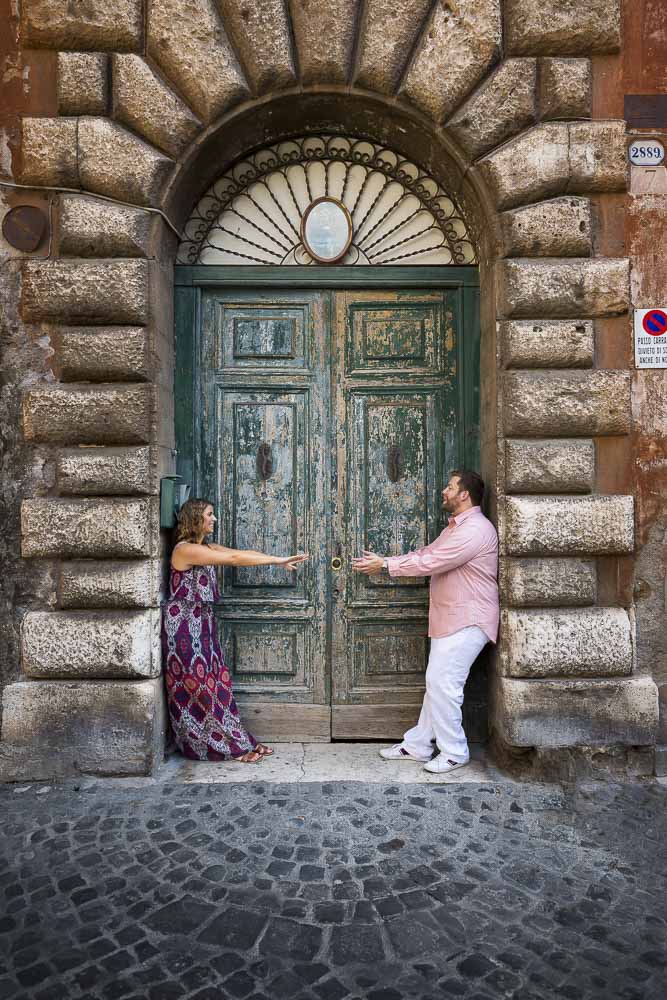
(644, 71)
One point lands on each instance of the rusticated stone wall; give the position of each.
(154, 98)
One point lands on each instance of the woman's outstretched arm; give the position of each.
(190, 554)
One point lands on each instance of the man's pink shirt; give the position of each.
(463, 565)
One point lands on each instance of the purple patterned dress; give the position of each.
(202, 711)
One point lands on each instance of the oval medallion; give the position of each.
(326, 230)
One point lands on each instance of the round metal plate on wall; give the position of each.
(326, 230)
(24, 227)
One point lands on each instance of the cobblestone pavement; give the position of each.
(332, 891)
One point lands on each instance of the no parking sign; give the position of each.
(651, 338)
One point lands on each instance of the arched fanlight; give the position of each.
(324, 199)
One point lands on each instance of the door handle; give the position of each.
(337, 561)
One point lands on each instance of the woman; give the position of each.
(203, 714)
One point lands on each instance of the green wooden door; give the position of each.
(263, 459)
(326, 420)
(396, 410)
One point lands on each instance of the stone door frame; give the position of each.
(533, 179)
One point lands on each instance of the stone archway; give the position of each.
(151, 105)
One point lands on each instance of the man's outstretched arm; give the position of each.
(450, 549)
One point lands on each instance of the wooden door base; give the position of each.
(372, 722)
(273, 722)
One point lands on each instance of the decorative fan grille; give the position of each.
(253, 213)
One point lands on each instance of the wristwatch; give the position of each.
(385, 566)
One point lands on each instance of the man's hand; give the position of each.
(369, 563)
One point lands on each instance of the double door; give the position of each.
(325, 421)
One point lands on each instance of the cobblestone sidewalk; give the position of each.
(333, 891)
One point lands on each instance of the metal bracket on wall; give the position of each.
(173, 494)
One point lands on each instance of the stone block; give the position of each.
(557, 158)
(107, 472)
(110, 584)
(103, 354)
(460, 47)
(549, 343)
(556, 466)
(566, 403)
(561, 27)
(548, 582)
(568, 526)
(90, 529)
(146, 105)
(197, 57)
(83, 83)
(534, 166)
(567, 713)
(566, 642)
(598, 286)
(598, 156)
(59, 291)
(59, 645)
(92, 228)
(261, 34)
(95, 24)
(59, 729)
(76, 414)
(118, 164)
(324, 35)
(49, 152)
(557, 228)
(502, 106)
(389, 34)
(565, 88)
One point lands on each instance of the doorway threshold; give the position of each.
(327, 762)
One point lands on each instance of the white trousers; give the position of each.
(449, 664)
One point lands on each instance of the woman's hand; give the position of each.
(291, 562)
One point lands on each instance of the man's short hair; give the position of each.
(472, 482)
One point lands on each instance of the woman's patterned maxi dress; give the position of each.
(202, 711)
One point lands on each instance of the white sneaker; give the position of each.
(442, 765)
(398, 752)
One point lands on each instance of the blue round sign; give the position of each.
(655, 322)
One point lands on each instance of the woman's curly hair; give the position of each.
(190, 518)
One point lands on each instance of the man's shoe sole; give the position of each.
(448, 770)
(415, 760)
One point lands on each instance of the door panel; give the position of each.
(265, 380)
(391, 484)
(262, 460)
(395, 398)
(395, 336)
(262, 335)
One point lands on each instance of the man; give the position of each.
(463, 616)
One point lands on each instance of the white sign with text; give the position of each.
(651, 338)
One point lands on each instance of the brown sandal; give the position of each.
(251, 757)
(263, 750)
